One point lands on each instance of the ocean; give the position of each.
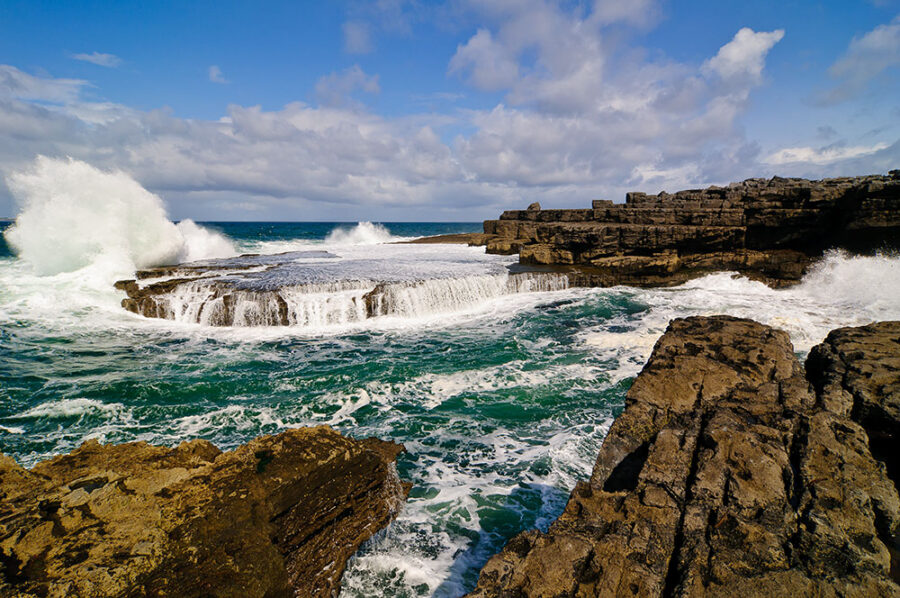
(501, 395)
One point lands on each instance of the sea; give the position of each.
(500, 393)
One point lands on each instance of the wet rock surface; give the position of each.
(278, 516)
(313, 289)
(732, 472)
(769, 229)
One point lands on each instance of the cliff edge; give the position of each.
(767, 229)
(732, 472)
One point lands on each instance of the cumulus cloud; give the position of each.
(745, 55)
(215, 75)
(581, 109)
(583, 114)
(865, 59)
(99, 58)
(489, 65)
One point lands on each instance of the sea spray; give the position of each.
(74, 215)
(364, 233)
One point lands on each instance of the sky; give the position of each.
(407, 110)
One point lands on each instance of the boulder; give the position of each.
(278, 516)
(729, 474)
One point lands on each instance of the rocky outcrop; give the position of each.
(730, 474)
(768, 229)
(278, 516)
(276, 290)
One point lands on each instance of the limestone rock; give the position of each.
(278, 516)
(717, 228)
(727, 475)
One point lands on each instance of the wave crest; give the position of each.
(74, 215)
(364, 233)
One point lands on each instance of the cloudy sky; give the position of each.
(446, 111)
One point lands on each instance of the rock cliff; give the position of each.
(278, 516)
(732, 472)
(767, 229)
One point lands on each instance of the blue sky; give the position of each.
(407, 110)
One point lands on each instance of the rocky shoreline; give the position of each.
(767, 229)
(278, 516)
(732, 472)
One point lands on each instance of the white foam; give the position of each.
(840, 290)
(346, 302)
(74, 215)
(71, 408)
(12, 430)
(364, 233)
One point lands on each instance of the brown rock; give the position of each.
(278, 516)
(714, 227)
(726, 475)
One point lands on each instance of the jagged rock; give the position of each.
(856, 372)
(704, 230)
(534, 206)
(278, 516)
(727, 475)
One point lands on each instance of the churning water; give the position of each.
(500, 391)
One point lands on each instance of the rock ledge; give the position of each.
(278, 516)
(732, 474)
(769, 230)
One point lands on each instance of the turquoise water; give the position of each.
(501, 405)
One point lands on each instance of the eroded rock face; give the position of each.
(278, 516)
(769, 229)
(728, 475)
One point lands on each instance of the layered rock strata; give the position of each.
(245, 292)
(768, 229)
(729, 473)
(278, 516)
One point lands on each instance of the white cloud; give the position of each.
(490, 65)
(357, 38)
(866, 58)
(216, 76)
(20, 85)
(824, 155)
(335, 89)
(100, 59)
(583, 115)
(745, 55)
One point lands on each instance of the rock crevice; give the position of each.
(732, 471)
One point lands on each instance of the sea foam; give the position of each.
(74, 215)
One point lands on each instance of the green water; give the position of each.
(501, 408)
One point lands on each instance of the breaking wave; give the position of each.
(364, 233)
(74, 215)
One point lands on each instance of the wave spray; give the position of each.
(74, 215)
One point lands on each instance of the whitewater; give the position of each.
(500, 391)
